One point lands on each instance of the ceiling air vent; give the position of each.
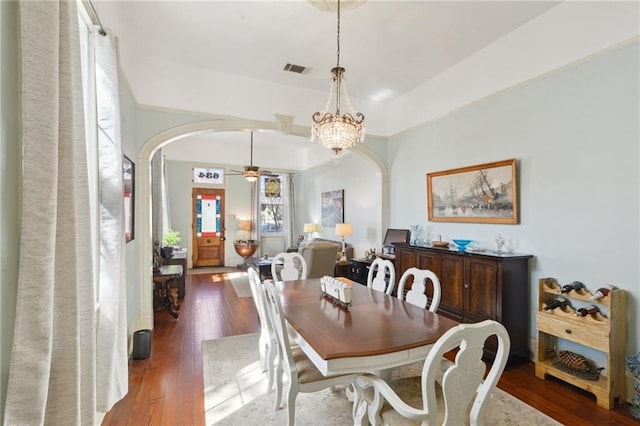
(298, 69)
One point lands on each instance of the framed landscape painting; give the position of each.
(332, 206)
(486, 193)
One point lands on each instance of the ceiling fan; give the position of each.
(251, 172)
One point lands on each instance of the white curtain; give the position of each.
(291, 238)
(112, 361)
(161, 215)
(157, 196)
(52, 370)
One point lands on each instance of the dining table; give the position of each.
(374, 332)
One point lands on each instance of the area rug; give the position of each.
(240, 283)
(235, 393)
(208, 270)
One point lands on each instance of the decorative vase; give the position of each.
(167, 252)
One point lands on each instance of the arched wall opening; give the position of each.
(144, 182)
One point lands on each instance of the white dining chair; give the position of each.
(300, 372)
(293, 267)
(417, 294)
(267, 343)
(382, 275)
(448, 393)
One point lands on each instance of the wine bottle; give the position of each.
(588, 310)
(575, 285)
(602, 292)
(558, 302)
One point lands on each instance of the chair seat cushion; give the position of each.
(409, 389)
(307, 371)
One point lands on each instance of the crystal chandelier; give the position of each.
(334, 131)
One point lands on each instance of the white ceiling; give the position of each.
(387, 47)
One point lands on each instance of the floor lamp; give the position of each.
(343, 229)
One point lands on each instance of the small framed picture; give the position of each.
(128, 175)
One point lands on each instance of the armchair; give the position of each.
(320, 257)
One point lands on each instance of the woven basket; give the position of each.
(577, 365)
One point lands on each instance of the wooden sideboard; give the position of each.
(179, 257)
(478, 286)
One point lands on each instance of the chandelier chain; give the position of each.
(334, 130)
(338, 38)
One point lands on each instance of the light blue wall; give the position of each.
(130, 144)
(575, 134)
(10, 161)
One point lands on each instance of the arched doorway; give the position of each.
(143, 188)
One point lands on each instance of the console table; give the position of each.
(165, 291)
(179, 257)
(478, 286)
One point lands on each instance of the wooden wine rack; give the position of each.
(603, 333)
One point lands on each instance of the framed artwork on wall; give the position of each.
(332, 206)
(486, 193)
(128, 180)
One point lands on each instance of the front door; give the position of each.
(208, 227)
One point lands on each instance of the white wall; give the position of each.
(128, 112)
(361, 182)
(576, 136)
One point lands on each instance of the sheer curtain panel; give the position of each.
(111, 358)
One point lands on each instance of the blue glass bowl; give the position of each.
(462, 244)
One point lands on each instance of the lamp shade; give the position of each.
(244, 225)
(343, 229)
(310, 227)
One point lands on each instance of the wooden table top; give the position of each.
(374, 324)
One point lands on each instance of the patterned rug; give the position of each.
(235, 393)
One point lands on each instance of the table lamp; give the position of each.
(343, 229)
(310, 228)
(245, 225)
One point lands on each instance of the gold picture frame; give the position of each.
(485, 193)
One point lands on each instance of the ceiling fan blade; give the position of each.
(237, 171)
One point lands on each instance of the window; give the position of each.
(272, 212)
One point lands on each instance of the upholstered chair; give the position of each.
(320, 257)
(267, 344)
(300, 374)
(448, 393)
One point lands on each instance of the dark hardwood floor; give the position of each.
(167, 387)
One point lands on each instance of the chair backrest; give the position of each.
(417, 295)
(259, 300)
(462, 381)
(279, 324)
(293, 267)
(378, 272)
(320, 257)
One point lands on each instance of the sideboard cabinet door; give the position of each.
(476, 287)
(480, 276)
(451, 285)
